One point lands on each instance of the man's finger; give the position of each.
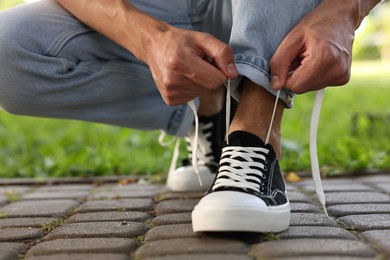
(221, 55)
(282, 61)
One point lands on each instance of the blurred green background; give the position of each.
(353, 134)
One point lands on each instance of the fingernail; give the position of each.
(232, 70)
(275, 81)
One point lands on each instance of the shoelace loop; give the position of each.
(238, 169)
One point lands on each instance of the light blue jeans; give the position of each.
(52, 65)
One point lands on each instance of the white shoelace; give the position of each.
(315, 168)
(239, 170)
(205, 156)
(313, 144)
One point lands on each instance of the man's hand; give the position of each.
(318, 50)
(186, 64)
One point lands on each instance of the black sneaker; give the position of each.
(210, 143)
(248, 194)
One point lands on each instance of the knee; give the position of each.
(16, 59)
(8, 59)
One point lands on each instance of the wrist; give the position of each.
(145, 31)
(361, 8)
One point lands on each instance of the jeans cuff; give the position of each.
(256, 69)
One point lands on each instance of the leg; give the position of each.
(66, 70)
(254, 114)
(211, 114)
(249, 185)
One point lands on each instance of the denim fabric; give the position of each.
(51, 65)
(54, 66)
(258, 29)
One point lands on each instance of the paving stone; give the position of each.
(308, 182)
(335, 198)
(191, 246)
(3, 200)
(290, 187)
(131, 186)
(20, 234)
(171, 232)
(126, 191)
(66, 187)
(84, 245)
(374, 179)
(24, 222)
(311, 247)
(117, 205)
(101, 229)
(50, 195)
(367, 222)
(176, 206)
(10, 251)
(14, 189)
(298, 207)
(339, 187)
(169, 195)
(294, 196)
(39, 208)
(81, 257)
(169, 219)
(131, 216)
(383, 186)
(315, 232)
(358, 209)
(202, 257)
(379, 238)
(319, 257)
(311, 219)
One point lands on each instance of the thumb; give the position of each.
(282, 61)
(225, 62)
(222, 57)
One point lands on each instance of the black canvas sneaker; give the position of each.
(210, 143)
(248, 194)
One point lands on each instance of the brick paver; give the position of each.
(310, 247)
(11, 251)
(39, 208)
(379, 238)
(84, 245)
(148, 222)
(367, 222)
(130, 216)
(20, 234)
(359, 209)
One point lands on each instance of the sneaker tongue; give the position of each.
(245, 139)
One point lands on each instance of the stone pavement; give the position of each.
(106, 220)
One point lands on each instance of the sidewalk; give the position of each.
(109, 221)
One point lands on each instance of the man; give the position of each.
(111, 61)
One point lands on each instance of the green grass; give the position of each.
(345, 146)
(36, 147)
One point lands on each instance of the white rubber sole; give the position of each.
(236, 211)
(185, 179)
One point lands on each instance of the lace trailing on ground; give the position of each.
(315, 169)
